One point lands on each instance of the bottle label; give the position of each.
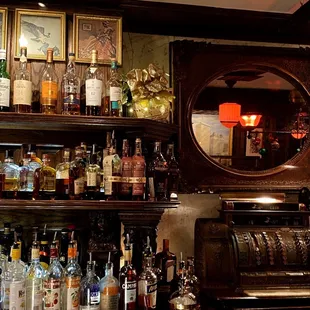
(15, 254)
(35, 253)
(35, 296)
(91, 178)
(63, 175)
(138, 172)
(148, 292)
(170, 270)
(93, 92)
(52, 294)
(71, 252)
(107, 170)
(130, 291)
(22, 92)
(49, 90)
(4, 92)
(79, 186)
(54, 253)
(72, 89)
(115, 94)
(151, 188)
(73, 293)
(48, 183)
(17, 295)
(126, 174)
(109, 299)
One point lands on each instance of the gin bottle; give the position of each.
(115, 87)
(90, 288)
(22, 87)
(62, 176)
(4, 84)
(70, 88)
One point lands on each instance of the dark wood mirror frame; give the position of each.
(194, 65)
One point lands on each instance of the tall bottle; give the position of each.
(70, 89)
(115, 89)
(22, 87)
(93, 85)
(34, 280)
(109, 288)
(126, 186)
(4, 84)
(128, 281)
(62, 176)
(138, 173)
(173, 173)
(49, 86)
(64, 244)
(19, 236)
(92, 176)
(53, 281)
(6, 240)
(44, 250)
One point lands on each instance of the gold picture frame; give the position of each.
(4, 27)
(42, 30)
(103, 33)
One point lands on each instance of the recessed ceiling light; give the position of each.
(42, 5)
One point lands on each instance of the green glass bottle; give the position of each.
(4, 84)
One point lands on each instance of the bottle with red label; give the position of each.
(126, 186)
(44, 250)
(138, 173)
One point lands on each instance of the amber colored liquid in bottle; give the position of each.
(126, 187)
(138, 173)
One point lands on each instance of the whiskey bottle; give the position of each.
(22, 87)
(49, 86)
(126, 186)
(93, 85)
(115, 89)
(11, 171)
(62, 176)
(70, 89)
(128, 281)
(138, 173)
(173, 173)
(92, 176)
(6, 240)
(44, 250)
(4, 84)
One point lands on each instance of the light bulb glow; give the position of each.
(23, 41)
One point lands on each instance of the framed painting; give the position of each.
(40, 30)
(3, 26)
(254, 144)
(100, 33)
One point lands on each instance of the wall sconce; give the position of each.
(229, 114)
(300, 128)
(23, 41)
(250, 120)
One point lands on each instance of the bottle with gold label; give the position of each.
(44, 250)
(126, 186)
(49, 86)
(138, 173)
(22, 87)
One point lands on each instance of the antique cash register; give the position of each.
(256, 255)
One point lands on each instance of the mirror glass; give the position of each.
(269, 129)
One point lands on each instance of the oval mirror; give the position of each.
(250, 120)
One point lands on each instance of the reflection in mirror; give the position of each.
(250, 120)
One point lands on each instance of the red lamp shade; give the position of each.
(229, 114)
(298, 134)
(250, 120)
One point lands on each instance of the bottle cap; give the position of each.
(2, 54)
(66, 153)
(50, 52)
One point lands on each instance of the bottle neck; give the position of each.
(71, 67)
(2, 65)
(157, 148)
(23, 64)
(7, 231)
(138, 150)
(170, 152)
(127, 257)
(109, 269)
(66, 159)
(125, 151)
(166, 245)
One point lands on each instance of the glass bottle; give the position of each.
(191, 280)
(44, 250)
(70, 89)
(11, 172)
(35, 161)
(25, 180)
(62, 176)
(138, 173)
(109, 288)
(64, 243)
(173, 173)
(92, 175)
(6, 240)
(73, 274)
(126, 186)
(158, 175)
(77, 175)
(53, 281)
(180, 276)
(4, 84)
(93, 85)
(147, 286)
(22, 87)
(19, 235)
(49, 86)
(128, 281)
(90, 288)
(35, 232)
(34, 280)
(115, 87)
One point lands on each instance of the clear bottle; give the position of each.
(22, 87)
(190, 279)
(11, 171)
(93, 85)
(24, 178)
(49, 86)
(44, 250)
(90, 288)
(70, 89)
(115, 87)
(138, 173)
(4, 84)
(62, 176)
(34, 279)
(35, 161)
(53, 282)
(92, 176)
(173, 173)
(126, 185)
(109, 288)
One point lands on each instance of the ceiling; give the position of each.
(279, 6)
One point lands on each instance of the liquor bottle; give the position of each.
(19, 235)
(92, 176)
(173, 173)
(90, 288)
(22, 87)
(93, 85)
(25, 180)
(147, 286)
(138, 173)
(179, 277)
(4, 84)
(128, 281)
(49, 86)
(190, 279)
(166, 261)
(64, 244)
(77, 175)
(44, 250)
(34, 279)
(11, 172)
(70, 89)
(109, 288)
(73, 274)
(115, 89)
(85, 152)
(35, 161)
(158, 175)
(53, 281)
(35, 232)
(126, 186)
(62, 176)
(6, 240)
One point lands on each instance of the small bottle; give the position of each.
(4, 84)
(138, 173)
(70, 89)
(93, 85)
(44, 250)
(49, 86)
(115, 86)
(126, 186)
(62, 176)
(11, 171)
(90, 288)
(22, 87)
(6, 240)
(128, 281)
(109, 288)
(173, 173)
(92, 176)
